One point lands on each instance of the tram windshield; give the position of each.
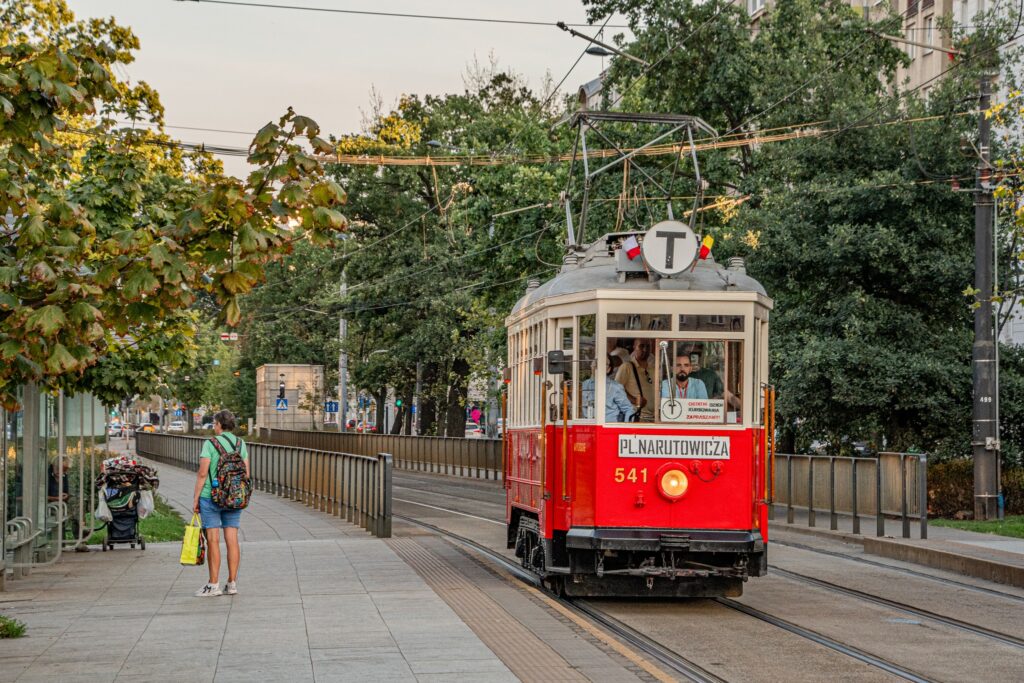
(692, 381)
(699, 381)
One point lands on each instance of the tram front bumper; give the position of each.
(657, 540)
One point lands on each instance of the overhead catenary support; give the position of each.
(576, 34)
(984, 439)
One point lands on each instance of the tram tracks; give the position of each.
(679, 664)
(673, 661)
(825, 641)
(1004, 638)
(903, 570)
(652, 648)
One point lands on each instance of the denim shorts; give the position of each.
(216, 517)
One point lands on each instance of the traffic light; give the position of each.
(398, 403)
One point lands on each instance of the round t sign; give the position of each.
(669, 248)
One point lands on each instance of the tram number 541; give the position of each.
(622, 474)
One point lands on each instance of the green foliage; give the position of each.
(951, 489)
(431, 269)
(113, 236)
(11, 628)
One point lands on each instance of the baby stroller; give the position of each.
(122, 483)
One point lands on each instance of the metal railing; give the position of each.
(890, 485)
(352, 486)
(460, 457)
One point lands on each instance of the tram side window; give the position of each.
(632, 367)
(587, 367)
(639, 321)
(564, 339)
(700, 381)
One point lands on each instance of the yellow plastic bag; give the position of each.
(191, 545)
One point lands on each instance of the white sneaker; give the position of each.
(210, 590)
(231, 588)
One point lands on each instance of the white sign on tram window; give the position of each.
(667, 446)
(669, 248)
(699, 410)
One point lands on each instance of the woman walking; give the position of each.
(213, 516)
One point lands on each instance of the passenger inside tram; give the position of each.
(636, 374)
(617, 407)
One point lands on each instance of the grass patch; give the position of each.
(1009, 526)
(163, 524)
(11, 628)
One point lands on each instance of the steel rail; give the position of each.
(608, 621)
(825, 641)
(652, 648)
(905, 570)
(1004, 638)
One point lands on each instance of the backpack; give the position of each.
(233, 488)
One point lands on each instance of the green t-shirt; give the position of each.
(228, 441)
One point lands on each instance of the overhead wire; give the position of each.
(392, 15)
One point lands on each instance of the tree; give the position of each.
(430, 269)
(859, 234)
(102, 249)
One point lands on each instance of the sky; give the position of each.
(235, 68)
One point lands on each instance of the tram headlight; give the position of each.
(673, 483)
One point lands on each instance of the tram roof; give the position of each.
(600, 271)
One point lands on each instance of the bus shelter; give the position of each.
(39, 518)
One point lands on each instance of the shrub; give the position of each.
(11, 628)
(951, 489)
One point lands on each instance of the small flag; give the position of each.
(632, 247)
(705, 247)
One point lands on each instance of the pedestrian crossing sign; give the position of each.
(282, 404)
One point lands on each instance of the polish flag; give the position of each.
(632, 247)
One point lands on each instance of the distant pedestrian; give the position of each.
(213, 516)
(475, 415)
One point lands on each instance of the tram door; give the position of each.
(560, 414)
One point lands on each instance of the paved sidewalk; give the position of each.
(319, 599)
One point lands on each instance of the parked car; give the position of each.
(474, 431)
(146, 427)
(115, 429)
(176, 426)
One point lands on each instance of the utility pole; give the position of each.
(984, 440)
(416, 402)
(342, 365)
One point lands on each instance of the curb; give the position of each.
(898, 549)
(989, 570)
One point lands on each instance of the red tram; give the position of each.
(675, 503)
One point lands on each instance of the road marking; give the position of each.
(454, 512)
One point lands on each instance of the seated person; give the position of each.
(715, 387)
(683, 385)
(617, 407)
(59, 469)
(711, 380)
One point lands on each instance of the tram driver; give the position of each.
(683, 384)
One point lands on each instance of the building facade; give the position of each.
(302, 389)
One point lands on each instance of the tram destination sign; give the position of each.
(666, 446)
(669, 248)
